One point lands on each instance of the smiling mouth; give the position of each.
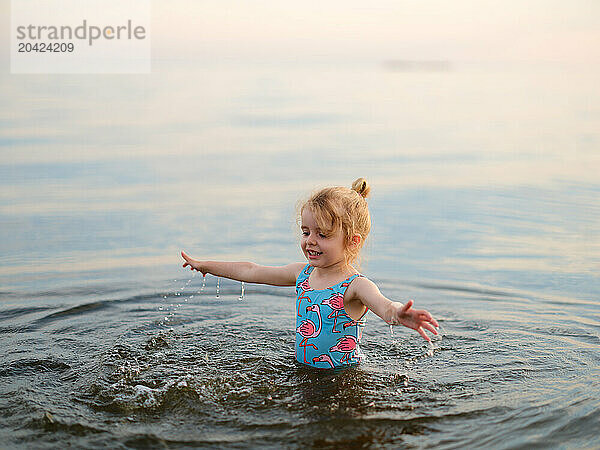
(311, 253)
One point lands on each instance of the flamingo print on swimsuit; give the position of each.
(305, 288)
(324, 358)
(308, 330)
(346, 345)
(335, 302)
(315, 339)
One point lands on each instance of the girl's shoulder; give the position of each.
(298, 268)
(362, 280)
(360, 286)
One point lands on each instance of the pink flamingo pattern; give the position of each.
(305, 288)
(359, 327)
(345, 345)
(324, 358)
(352, 323)
(318, 342)
(336, 302)
(308, 330)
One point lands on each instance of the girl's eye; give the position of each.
(322, 235)
(305, 233)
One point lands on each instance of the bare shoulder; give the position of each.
(295, 269)
(360, 288)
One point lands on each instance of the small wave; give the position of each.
(573, 336)
(17, 312)
(75, 310)
(73, 291)
(468, 289)
(51, 423)
(92, 306)
(33, 366)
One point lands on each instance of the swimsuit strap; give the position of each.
(304, 274)
(343, 287)
(352, 277)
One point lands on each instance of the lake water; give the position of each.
(486, 211)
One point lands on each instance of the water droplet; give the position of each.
(218, 286)
(392, 330)
(430, 350)
(242, 294)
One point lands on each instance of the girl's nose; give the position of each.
(311, 239)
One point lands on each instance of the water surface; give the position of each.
(485, 210)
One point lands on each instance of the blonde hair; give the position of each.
(341, 208)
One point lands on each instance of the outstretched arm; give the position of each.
(394, 313)
(247, 271)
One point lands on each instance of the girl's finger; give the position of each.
(406, 307)
(422, 333)
(427, 317)
(429, 327)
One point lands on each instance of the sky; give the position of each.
(464, 30)
(335, 30)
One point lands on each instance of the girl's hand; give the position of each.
(416, 319)
(194, 265)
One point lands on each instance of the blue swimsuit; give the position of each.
(326, 336)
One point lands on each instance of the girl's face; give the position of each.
(320, 250)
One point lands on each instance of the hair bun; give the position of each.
(362, 187)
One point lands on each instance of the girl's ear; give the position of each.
(355, 240)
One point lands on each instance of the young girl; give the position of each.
(332, 297)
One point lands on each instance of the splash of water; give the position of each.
(242, 293)
(218, 286)
(173, 307)
(430, 349)
(203, 283)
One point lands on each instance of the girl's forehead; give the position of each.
(308, 218)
